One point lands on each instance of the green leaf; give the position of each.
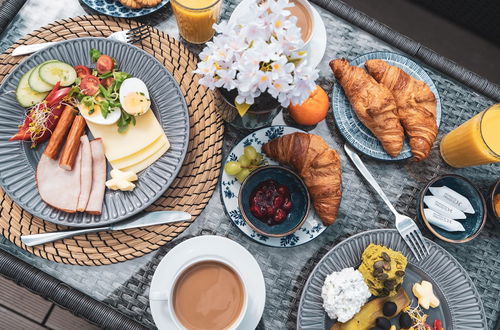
(103, 91)
(119, 78)
(104, 108)
(106, 75)
(88, 101)
(94, 54)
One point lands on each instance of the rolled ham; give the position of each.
(94, 205)
(85, 173)
(58, 187)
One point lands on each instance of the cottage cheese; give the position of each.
(344, 293)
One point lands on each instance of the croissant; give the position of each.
(373, 104)
(416, 105)
(316, 164)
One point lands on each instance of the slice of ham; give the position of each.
(94, 205)
(85, 173)
(58, 187)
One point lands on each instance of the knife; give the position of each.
(28, 49)
(141, 220)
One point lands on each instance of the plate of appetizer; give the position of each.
(386, 106)
(92, 132)
(126, 8)
(372, 281)
(316, 172)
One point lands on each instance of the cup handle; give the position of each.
(157, 296)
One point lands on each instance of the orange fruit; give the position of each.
(312, 110)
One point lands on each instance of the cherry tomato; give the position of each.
(107, 82)
(89, 85)
(105, 64)
(82, 71)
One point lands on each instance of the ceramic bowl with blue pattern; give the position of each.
(493, 215)
(473, 223)
(298, 194)
(116, 9)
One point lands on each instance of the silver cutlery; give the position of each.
(141, 220)
(131, 36)
(405, 225)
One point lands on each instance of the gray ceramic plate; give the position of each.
(18, 161)
(357, 134)
(461, 307)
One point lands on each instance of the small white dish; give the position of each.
(207, 248)
(315, 47)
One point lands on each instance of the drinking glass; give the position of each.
(475, 142)
(195, 18)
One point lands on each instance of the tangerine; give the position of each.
(312, 110)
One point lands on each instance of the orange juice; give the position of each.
(475, 142)
(195, 18)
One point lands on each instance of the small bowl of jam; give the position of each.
(274, 201)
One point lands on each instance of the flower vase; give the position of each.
(260, 114)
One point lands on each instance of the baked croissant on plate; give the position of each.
(416, 105)
(373, 103)
(317, 164)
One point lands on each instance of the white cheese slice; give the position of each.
(148, 161)
(119, 146)
(141, 155)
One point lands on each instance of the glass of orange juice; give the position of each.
(195, 18)
(475, 142)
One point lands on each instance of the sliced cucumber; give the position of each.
(53, 72)
(25, 95)
(37, 84)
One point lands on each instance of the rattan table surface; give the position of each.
(124, 286)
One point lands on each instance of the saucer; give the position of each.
(206, 246)
(318, 38)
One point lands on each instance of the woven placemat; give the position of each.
(190, 191)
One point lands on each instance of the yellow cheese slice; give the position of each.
(118, 146)
(141, 155)
(148, 161)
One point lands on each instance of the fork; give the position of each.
(405, 225)
(131, 36)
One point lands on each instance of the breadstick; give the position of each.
(57, 139)
(72, 145)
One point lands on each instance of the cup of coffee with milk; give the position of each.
(302, 10)
(208, 293)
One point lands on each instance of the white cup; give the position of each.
(307, 5)
(167, 297)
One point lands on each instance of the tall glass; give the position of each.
(195, 18)
(475, 142)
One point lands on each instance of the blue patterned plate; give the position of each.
(230, 188)
(116, 9)
(348, 123)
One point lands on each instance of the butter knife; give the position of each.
(28, 49)
(141, 220)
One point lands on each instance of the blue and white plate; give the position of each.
(351, 128)
(116, 9)
(230, 188)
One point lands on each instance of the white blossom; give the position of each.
(261, 54)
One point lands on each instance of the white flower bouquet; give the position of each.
(262, 55)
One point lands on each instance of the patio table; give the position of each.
(116, 296)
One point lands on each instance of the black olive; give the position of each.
(405, 321)
(383, 323)
(389, 308)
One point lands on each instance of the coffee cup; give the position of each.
(305, 19)
(184, 290)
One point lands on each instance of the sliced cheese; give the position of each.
(119, 146)
(141, 155)
(148, 161)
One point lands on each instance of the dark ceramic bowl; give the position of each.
(493, 216)
(473, 224)
(298, 193)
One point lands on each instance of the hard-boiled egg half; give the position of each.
(94, 114)
(134, 97)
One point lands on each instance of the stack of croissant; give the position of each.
(389, 102)
(317, 164)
